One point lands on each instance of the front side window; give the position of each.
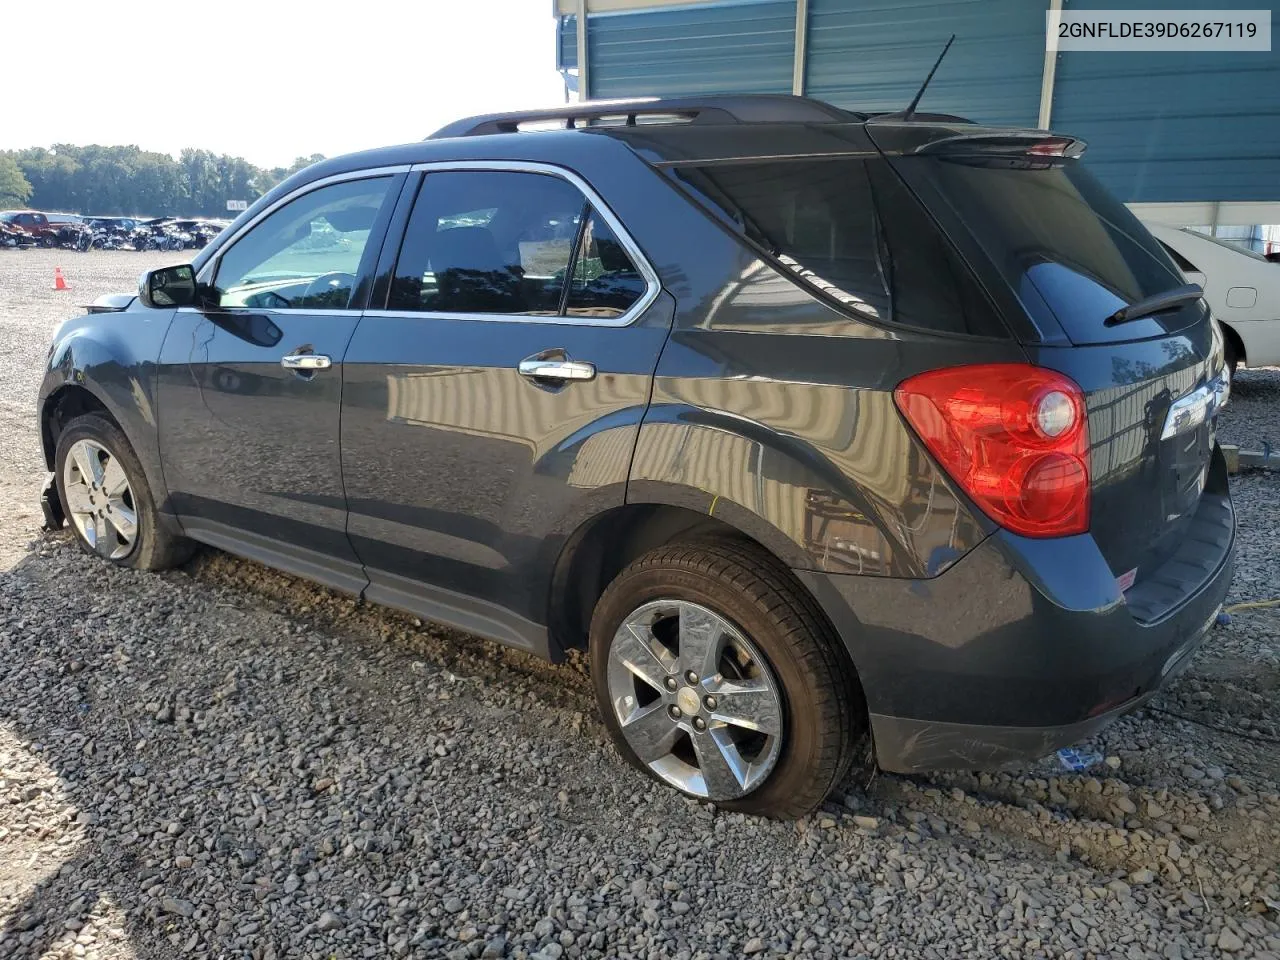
(510, 243)
(307, 253)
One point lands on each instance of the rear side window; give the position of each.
(509, 242)
(605, 283)
(851, 231)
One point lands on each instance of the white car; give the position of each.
(1241, 287)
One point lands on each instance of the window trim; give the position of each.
(652, 284)
(210, 268)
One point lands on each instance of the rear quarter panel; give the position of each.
(775, 414)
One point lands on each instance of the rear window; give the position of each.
(851, 231)
(1060, 241)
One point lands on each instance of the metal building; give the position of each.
(1184, 137)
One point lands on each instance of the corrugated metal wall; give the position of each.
(1174, 126)
(744, 46)
(1161, 127)
(874, 56)
(567, 43)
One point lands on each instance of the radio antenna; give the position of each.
(916, 102)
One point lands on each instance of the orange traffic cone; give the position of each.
(59, 281)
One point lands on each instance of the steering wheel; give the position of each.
(324, 280)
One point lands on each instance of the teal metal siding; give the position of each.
(874, 54)
(1167, 127)
(738, 47)
(567, 44)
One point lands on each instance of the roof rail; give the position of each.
(738, 108)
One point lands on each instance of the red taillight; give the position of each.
(1015, 437)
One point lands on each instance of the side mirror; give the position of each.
(168, 287)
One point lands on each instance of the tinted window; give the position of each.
(485, 241)
(852, 230)
(815, 217)
(305, 254)
(605, 282)
(1057, 238)
(931, 287)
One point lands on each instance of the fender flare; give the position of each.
(80, 360)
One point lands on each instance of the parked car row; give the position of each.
(31, 228)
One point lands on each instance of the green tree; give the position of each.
(127, 180)
(15, 189)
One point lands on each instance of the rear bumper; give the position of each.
(1022, 647)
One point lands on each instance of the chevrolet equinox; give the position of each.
(814, 429)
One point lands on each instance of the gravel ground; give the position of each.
(223, 761)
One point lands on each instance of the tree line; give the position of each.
(129, 181)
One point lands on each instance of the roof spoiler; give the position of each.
(1029, 144)
(743, 108)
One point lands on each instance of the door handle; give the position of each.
(306, 361)
(564, 370)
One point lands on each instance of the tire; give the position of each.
(1230, 356)
(152, 547)
(752, 598)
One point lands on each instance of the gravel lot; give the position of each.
(223, 761)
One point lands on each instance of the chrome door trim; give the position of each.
(210, 268)
(624, 320)
(273, 311)
(652, 284)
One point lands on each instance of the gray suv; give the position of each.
(817, 430)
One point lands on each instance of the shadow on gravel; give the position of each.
(54, 913)
(184, 773)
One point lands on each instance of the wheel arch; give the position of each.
(60, 407)
(105, 363)
(1235, 341)
(602, 546)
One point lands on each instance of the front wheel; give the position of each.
(717, 675)
(105, 498)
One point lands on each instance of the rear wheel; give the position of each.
(717, 675)
(105, 498)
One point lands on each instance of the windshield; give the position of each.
(1069, 250)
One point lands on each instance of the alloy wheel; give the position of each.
(695, 699)
(100, 499)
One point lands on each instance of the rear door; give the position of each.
(493, 399)
(1068, 255)
(250, 385)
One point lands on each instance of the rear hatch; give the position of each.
(1055, 248)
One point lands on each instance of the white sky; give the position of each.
(269, 80)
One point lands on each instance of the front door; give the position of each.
(493, 404)
(250, 385)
